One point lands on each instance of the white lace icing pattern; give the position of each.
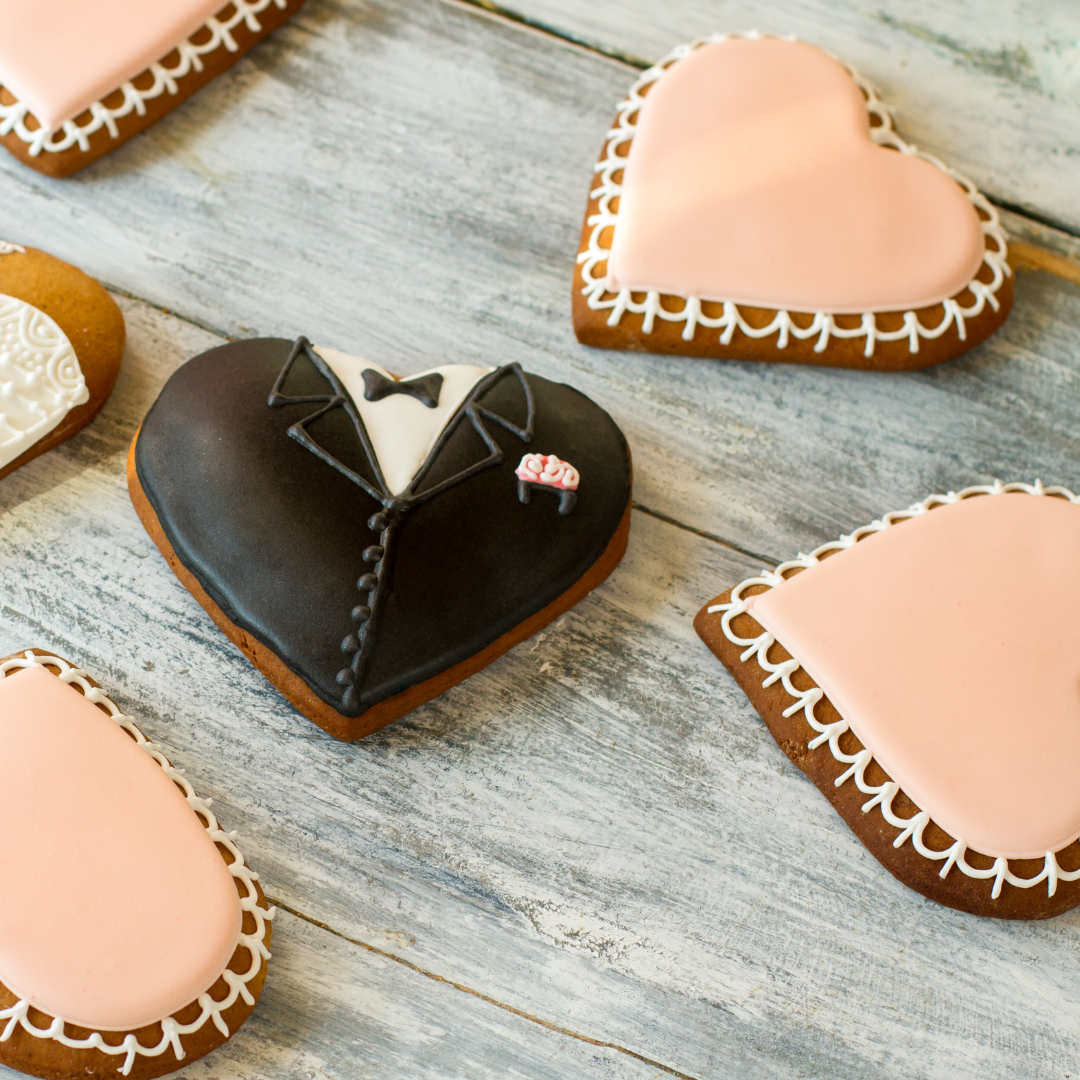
(823, 326)
(40, 377)
(172, 1030)
(912, 828)
(11, 249)
(13, 117)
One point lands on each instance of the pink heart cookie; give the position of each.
(134, 938)
(922, 671)
(80, 77)
(758, 175)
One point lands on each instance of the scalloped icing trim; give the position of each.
(882, 795)
(172, 1030)
(13, 117)
(823, 326)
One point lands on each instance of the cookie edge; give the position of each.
(100, 389)
(142, 1067)
(792, 733)
(101, 141)
(303, 698)
(592, 325)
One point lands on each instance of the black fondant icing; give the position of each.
(275, 528)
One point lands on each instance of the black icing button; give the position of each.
(367, 583)
(361, 613)
(373, 554)
(350, 644)
(378, 522)
(345, 677)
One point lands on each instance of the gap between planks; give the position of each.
(557, 1028)
(498, 11)
(711, 537)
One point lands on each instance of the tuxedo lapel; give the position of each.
(400, 436)
(340, 379)
(402, 428)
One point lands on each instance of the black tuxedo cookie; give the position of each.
(369, 542)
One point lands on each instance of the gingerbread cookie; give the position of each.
(921, 672)
(369, 542)
(78, 78)
(61, 343)
(754, 202)
(133, 936)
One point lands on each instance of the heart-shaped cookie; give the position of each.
(367, 541)
(922, 672)
(752, 204)
(61, 343)
(133, 936)
(78, 78)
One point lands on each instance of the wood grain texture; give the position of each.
(982, 93)
(333, 1010)
(596, 830)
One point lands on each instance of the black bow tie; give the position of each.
(425, 388)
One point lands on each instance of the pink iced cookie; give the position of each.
(78, 78)
(751, 203)
(922, 671)
(133, 937)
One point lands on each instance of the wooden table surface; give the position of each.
(590, 860)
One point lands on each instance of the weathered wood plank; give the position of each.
(333, 1009)
(984, 93)
(596, 830)
(406, 182)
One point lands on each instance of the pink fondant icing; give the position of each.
(115, 907)
(60, 56)
(949, 643)
(752, 178)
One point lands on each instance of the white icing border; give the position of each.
(254, 943)
(11, 249)
(13, 116)
(805, 700)
(823, 325)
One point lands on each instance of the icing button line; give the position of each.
(255, 943)
(882, 795)
(388, 521)
(823, 325)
